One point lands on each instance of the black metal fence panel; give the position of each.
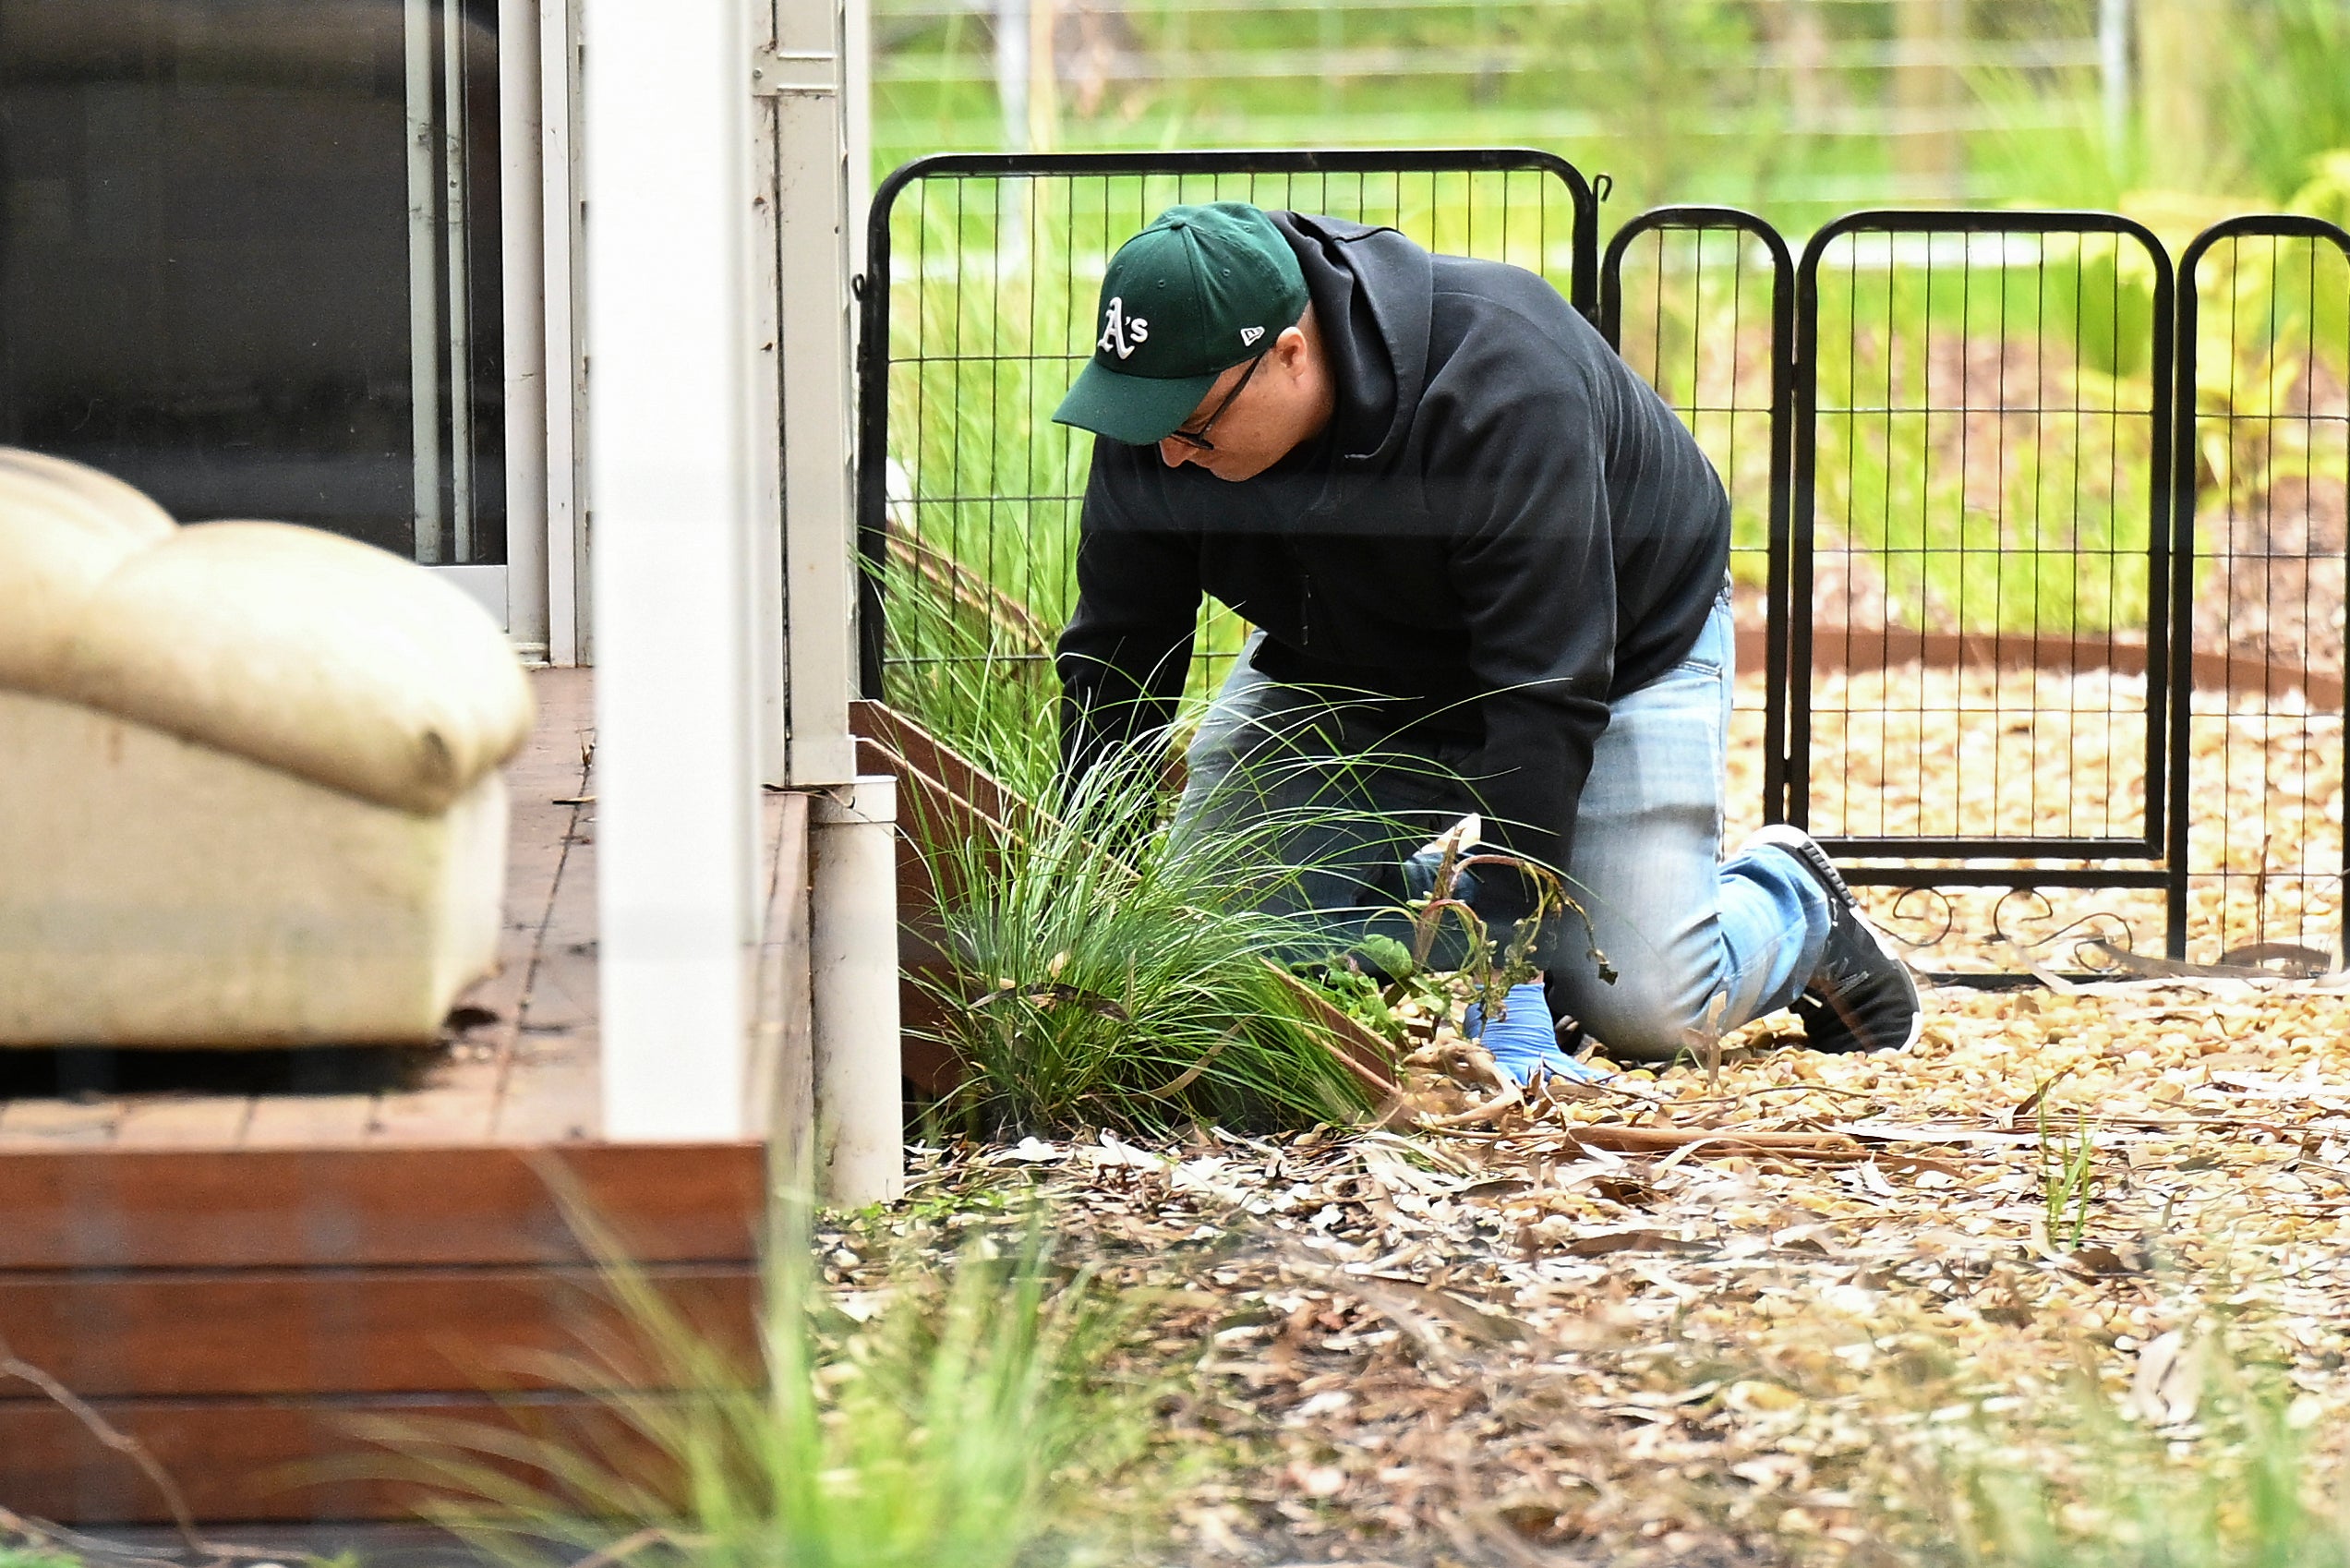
(1701, 301)
(2262, 493)
(2039, 548)
(1981, 421)
(989, 269)
(1983, 405)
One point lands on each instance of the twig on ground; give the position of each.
(1475, 1115)
(1618, 1138)
(110, 1437)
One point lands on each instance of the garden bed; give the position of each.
(1535, 1335)
(1787, 1307)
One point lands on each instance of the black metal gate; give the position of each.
(2039, 543)
(2260, 490)
(967, 492)
(1980, 493)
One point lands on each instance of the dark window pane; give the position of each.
(211, 281)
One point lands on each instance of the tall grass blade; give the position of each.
(2218, 1471)
(1109, 972)
(963, 1424)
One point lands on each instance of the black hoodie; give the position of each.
(1502, 528)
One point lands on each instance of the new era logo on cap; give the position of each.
(1249, 336)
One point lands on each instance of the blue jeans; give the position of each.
(1679, 925)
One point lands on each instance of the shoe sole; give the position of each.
(1804, 846)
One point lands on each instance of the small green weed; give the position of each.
(2067, 1175)
(1359, 996)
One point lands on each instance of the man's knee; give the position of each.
(1645, 1016)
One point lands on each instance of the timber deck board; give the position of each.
(375, 1207)
(235, 1311)
(257, 1459)
(216, 1333)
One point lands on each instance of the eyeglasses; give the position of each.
(1198, 440)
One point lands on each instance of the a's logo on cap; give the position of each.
(1121, 332)
(1249, 336)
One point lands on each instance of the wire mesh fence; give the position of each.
(971, 492)
(2263, 482)
(1982, 410)
(2039, 551)
(1699, 300)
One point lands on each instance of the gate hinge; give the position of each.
(795, 73)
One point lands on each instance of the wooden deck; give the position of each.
(231, 1255)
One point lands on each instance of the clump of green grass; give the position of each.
(1103, 972)
(975, 673)
(965, 1422)
(2207, 1461)
(1107, 972)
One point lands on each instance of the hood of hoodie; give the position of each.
(1373, 290)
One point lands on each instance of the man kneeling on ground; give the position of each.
(1489, 570)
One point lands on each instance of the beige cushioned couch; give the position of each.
(248, 778)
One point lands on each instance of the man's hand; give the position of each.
(1523, 1040)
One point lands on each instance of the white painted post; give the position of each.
(568, 639)
(857, 123)
(852, 962)
(803, 77)
(524, 289)
(816, 76)
(764, 582)
(667, 130)
(424, 282)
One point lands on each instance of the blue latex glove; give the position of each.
(1523, 1040)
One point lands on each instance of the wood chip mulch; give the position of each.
(1706, 1315)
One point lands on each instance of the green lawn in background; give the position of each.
(1794, 112)
(2027, 511)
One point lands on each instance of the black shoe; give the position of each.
(1860, 996)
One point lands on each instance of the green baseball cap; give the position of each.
(1200, 290)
